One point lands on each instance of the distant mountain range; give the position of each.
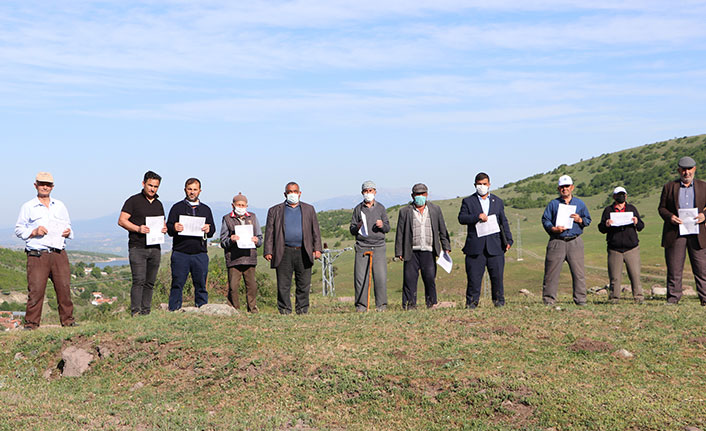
(103, 234)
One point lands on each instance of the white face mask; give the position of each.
(240, 210)
(369, 197)
(482, 189)
(293, 198)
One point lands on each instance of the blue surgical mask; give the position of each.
(420, 200)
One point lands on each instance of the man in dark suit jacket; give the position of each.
(421, 237)
(685, 192)
(488, 250)
(292, 243)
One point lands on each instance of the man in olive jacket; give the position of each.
(292, 244)
(421, 237)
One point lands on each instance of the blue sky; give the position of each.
(249, 95)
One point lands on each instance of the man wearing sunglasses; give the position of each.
(565, 243)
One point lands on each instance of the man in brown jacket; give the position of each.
(684, 193)
(292, 243)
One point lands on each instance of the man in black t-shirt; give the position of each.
(144, 259)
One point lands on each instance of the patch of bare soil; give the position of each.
(439, 362)
(588, 345)
(399, 354)
(699, 340)
(507, 330)
(464, 321)
(516, 411)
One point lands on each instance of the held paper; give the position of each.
(53, 237)
(488, 227)
(445, 261)
(245, 234)
(563, 216)
(363, 231)
(192, 225)
(155, 224)
(621, 219)
(688, 224)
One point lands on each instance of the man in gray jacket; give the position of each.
(369, 225)
(421, 237)
(292, 243)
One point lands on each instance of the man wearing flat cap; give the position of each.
(44, 225)
(241, 262)
(421, 237)
(565, 243)
(369, 224)
(623, 244)
(686, 193)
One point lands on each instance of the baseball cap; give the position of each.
(565, 180)
(368, 185)
(619, 190)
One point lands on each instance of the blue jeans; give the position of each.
(183, 264)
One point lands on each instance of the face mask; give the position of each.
(482, 189)
(420, 201)
(368, 197)
(240, 210)
(620, 198)
(293, 198)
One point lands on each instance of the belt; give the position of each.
(568, 238)
(289, 246)
(41, 252)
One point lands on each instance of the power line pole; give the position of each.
(327, 259)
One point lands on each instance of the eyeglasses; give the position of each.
(565, 186)
(43, 184)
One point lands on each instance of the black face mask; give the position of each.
(620, 198)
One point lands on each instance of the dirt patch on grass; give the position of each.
(464, 321)
(588, 345)
(399, 354)
(699, 340)
(440, 362)
(507, 330)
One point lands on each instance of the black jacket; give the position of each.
(621, 238)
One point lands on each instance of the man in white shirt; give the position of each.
(44, 225)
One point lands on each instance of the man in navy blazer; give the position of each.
(487, 250)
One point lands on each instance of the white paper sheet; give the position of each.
(621, 219)
(489, 227)
(363, 231)
(53, 237)
(445, 262)
(563, 216)
(245, 233)
(688, 224)
(156, 224)
(192, 225)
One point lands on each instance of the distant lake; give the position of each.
(118, 262)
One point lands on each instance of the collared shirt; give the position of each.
(34, 214)
(686, 195)
(549, 217)
(422, 235)
(485, 203)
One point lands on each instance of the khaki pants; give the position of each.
(54, 266)
(615, 272)
(559, 251)
(247, 272)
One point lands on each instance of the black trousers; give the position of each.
(293, 262)
(424, 261)
(475, 268)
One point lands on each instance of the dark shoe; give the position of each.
(71, 325)
(360, 309)
(381, 308)
(285, 312)
(671, 303)
(580, 304)
(499, 304)
(703, 303)
(472, 306)
(409, 307)
(29, 328)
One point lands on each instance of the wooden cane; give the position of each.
(370, 275)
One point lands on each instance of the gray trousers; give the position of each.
(559, 251)
(362, 276)
(615, 272)
(144, 265)
(675, 256)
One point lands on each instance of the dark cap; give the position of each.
(419, 188)
(686, 162)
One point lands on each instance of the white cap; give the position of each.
(565, 180)
(619, 190)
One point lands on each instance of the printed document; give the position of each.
(489, 227)
(445, 261)
(364, 228)
(192, 225)
(53, 236)
(245, 234)
(621, 219)
(688, 224)
(155, 236)
(563, 216)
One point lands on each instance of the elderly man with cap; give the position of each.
(241, 262)
(421, 237)
(684, 193)
(369, 224)
(565, 243)
(44, 225)
(622, 245)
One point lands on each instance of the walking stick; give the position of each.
(370, 275)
